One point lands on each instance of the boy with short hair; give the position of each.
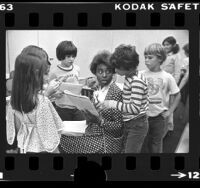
(135, 98)
(161, 85)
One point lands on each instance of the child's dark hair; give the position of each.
(157, 50)
(171, 40)
(125, 56)
(65, 48)
(102, 57)
(30, 67)
(186, 48)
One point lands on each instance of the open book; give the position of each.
(82, 103)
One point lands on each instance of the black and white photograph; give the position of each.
(97, 91)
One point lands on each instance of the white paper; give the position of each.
(73, 88)
(74, 127)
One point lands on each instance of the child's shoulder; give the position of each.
(43, 99)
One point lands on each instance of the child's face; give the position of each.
(168, 47)
(152, 62)
(68, 61)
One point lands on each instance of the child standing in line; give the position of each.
(31, 116)
(134, 104)
(66, 53)
(185, 67)
(172, 65)
(161, 85)
(184, 83)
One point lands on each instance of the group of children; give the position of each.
(149, 97)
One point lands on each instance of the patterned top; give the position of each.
(112, 123)
(37, 131)
(135, 97)
(106, 138)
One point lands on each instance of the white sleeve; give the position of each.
(10, 125)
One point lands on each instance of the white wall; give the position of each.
(88, 42)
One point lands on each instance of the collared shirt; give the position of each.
(100, 93)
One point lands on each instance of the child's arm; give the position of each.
(173, 103)
(184, 79)
(138, 90)
(177, 68)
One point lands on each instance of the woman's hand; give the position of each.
(91, 118)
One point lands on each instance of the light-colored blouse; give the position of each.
(172, 65)
(36, 131)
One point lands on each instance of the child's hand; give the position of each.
(52, 87)
(166, 113)
(58, 94)
(109, 104)
(91, 118)
(92, 83)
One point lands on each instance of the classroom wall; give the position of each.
(88, 42)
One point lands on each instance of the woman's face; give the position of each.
(104, 74)
(168, 47)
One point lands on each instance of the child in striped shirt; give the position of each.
(135, 98)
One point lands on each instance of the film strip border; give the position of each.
(120, 168)
(95, 16)
(117, 167)
(106, 20)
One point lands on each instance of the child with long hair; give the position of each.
(31, 116)
(172, 65)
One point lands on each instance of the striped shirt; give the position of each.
(135, 97)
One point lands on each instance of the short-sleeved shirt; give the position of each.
(59, 72)
(160, 85)
(172, 65)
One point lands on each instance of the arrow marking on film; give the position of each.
(179, 175)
